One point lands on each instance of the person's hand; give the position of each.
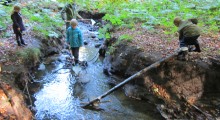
(19, 29)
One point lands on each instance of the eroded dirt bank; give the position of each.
(17, 64)
(188, 84)
(172, 81)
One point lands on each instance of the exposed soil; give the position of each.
(15, 74)
(173, 81)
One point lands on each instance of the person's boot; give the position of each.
(76, 61)
(22, 42)
(191, 48)
(183, 54)
(19, 44)
(197, 48)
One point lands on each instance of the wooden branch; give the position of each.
(208, 116)
(154, 65)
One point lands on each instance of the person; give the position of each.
(18, 26)
(188, 35)
(69, 12)
(74, 38)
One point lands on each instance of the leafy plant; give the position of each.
(126, 37)
(29, 55)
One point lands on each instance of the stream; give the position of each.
(61, 93)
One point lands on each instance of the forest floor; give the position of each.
(156, 41)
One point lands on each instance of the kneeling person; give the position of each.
(188, 35)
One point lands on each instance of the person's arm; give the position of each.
(67, 36)
(180, 34)
(80, 38)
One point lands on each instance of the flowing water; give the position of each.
(61, 93)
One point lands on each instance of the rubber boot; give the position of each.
(19, 44)
(76, 61)
(197, 48)
(22, 42)
(191, 48)
(182, 55)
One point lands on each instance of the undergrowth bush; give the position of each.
(45, 21)
(29, 56)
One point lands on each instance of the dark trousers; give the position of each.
(186, 41)
(75, 52)
(19, 38)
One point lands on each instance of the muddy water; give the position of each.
(62, 94)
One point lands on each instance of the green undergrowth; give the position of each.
(44, 20)
(155, 13)
(5, 20)
(125, 38)
(42, 17)
(29, 56)
(159, 13)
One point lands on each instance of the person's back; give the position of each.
(74, 36)
(188, 29)
(188, 35)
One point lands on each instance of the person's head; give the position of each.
(17, 8)
(177, 21)
(73, 23)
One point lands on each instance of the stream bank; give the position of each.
(177, 83)
(17, 66)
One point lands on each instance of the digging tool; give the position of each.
(154, 65)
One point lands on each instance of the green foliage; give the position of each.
(126, 37)
(104, 32)
(113, 19)
(29, 55)
(5, 12)
(45, 23)
(122, 38)
(158, 12)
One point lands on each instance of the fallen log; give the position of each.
(154, 65)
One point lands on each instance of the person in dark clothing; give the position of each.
(188, 35)
(68, 13)
(18, 25)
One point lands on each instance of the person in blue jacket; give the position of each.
(74, 38)
(18, 25)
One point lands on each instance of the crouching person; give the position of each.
(74, 38)
(188, 35)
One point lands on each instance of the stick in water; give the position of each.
(154, 65)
